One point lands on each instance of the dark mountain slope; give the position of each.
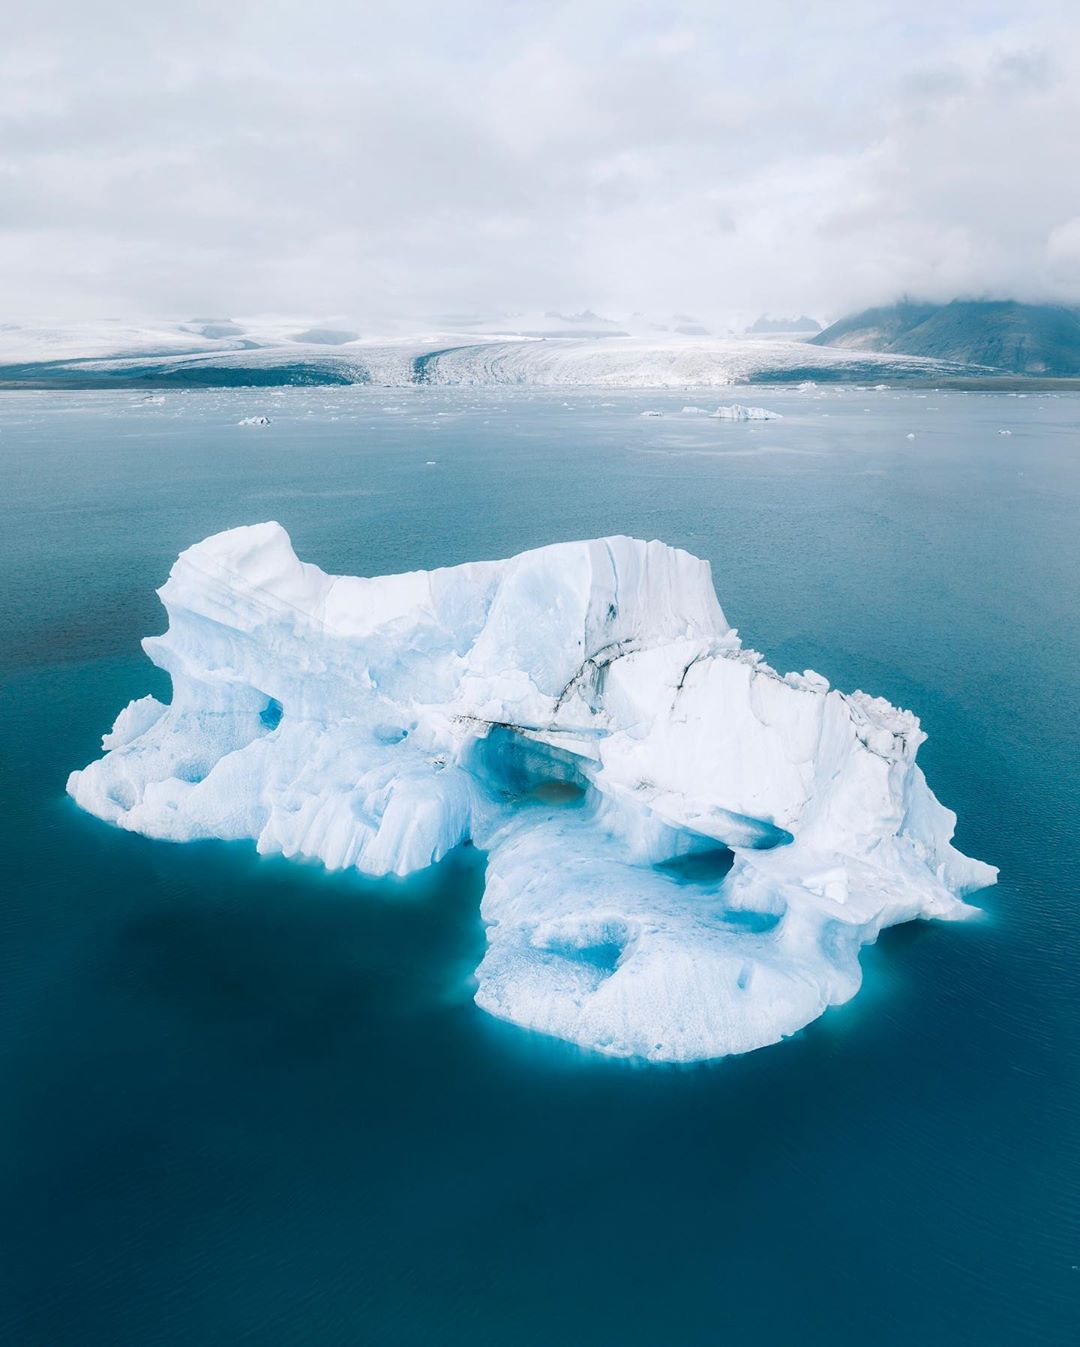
(1039, 339)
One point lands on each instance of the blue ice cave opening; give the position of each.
(699, 867)
(271, 713)
(525, 771)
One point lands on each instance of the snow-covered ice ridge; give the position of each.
(164, 358)
(685, 850)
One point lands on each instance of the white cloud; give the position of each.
(690, 156)
(1063, 249)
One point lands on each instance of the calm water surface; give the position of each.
(247, 1102)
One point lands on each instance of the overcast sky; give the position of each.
(367, 161)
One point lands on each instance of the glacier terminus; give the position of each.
(685, 849)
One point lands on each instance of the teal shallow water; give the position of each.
(247, 1101)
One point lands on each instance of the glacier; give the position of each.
(685, 849)
(269, 353)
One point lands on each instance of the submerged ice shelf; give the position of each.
(686, 850)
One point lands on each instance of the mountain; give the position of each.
(766, 324)
(1006, 336)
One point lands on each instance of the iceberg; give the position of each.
(685, 849)
(737, 412)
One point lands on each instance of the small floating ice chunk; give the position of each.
(1004, 432)
(652, 413)
(254, 421)
(737, 412)
(910, 435)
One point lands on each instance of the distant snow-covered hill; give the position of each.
(221, 352)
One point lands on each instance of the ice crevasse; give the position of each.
(685, 849)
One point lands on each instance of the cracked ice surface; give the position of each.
(685, 849)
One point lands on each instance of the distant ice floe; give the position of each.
(737, 412)
(685, 849)
(254, 421)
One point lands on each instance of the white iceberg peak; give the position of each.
(685, 850)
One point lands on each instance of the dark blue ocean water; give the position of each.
(245, 1102)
